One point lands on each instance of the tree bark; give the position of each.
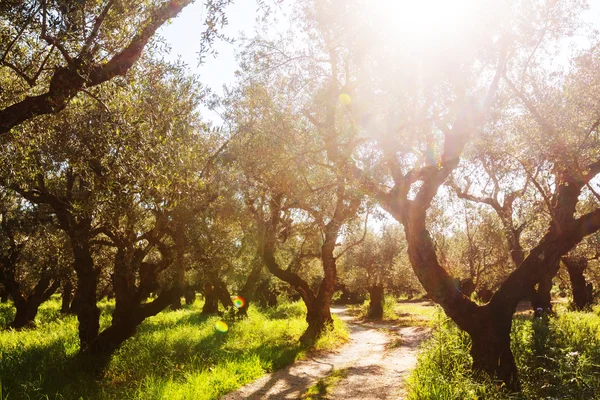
(490, 346)
(542, 298)
(69, 80)
(249, 288)
(67, 295)
(319, 319)
(130, 311)
(318, 313)
(582, 291)
(215, 292)
(27, 306)
(189, 295)
(223, 294)
(126, 318)
(25, 315)
(376, 302)
(88, 313)
(211, 301)
(179, 270)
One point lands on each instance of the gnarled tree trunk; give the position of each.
(490, 345)
(376, 302)
(86, 309)
(215, 292)
(27, 305)
(582, 291)
(130, 294)
(189, 295)
(541, 298)
(318, 313)
(126, 318)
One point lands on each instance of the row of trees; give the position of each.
(492, 115)
(482, 148)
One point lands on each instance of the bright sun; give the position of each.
(425, 21)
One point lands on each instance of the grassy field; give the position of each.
(175, 355)
(401, 311)
(557, 357)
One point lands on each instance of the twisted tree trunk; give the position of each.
(582, 291)
(27, 305)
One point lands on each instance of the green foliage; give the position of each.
(558, 358)
(175, 355)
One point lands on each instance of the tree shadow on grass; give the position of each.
(48, 371)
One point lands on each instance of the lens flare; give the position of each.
(345, 99)
(238, 302)
(221, 326)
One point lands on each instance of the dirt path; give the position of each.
(373, 363)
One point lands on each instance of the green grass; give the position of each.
(403, 312)
(322, 389)
(557, 357)
(174, 355)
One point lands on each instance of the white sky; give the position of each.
(183, 36)
(184, 32)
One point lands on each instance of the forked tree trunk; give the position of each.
(215, 292)
(582, 291)
(25, 315)
(541, 298)
(265, 295)
(223, 294)
(130, 311)
(126, 318)
(27, 306)
(376, 302)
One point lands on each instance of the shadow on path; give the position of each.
(374, 371)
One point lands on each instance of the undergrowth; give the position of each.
(557, 358)
(174, 355)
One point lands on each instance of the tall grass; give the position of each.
(558, 358)
(174, 355)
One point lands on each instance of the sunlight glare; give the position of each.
(422, 21)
